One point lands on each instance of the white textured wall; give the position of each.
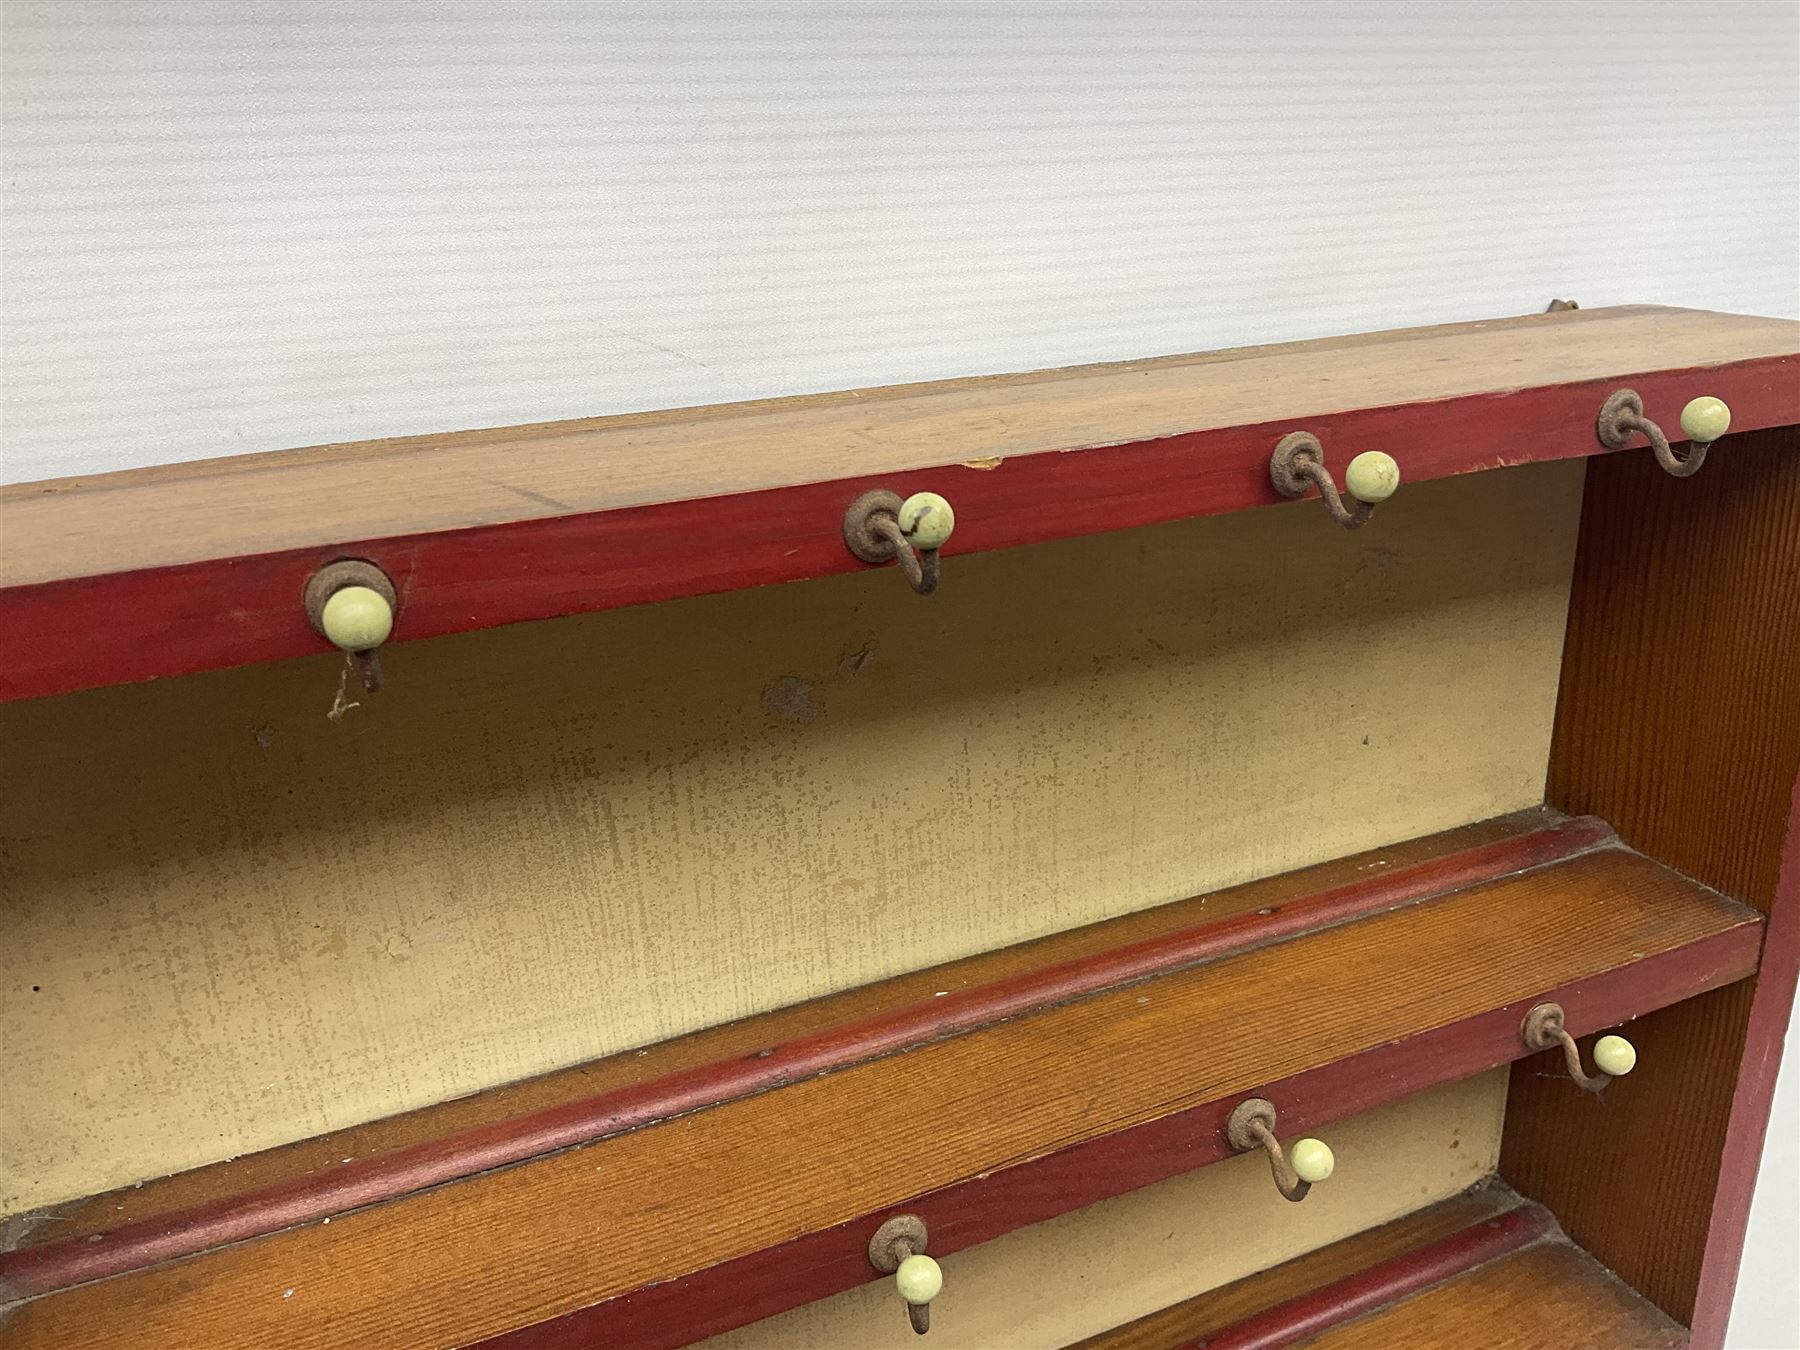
(246, 224)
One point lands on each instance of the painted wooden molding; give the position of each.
(482, 528)
(1653, 937)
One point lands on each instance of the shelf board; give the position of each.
(1547, 1297)
(1482, 1270)
(197, 566)
(1045, 1077)
(580, 1103)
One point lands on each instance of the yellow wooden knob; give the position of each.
(1312, 1159)
(920, 1279)
(1372, 477)
(1614, 1055)
(357, 619)
(926, 519)
(1705, 419)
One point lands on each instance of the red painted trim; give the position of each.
(129, 626)
(817, 1265)
(1387, 1283)
(132, 1246)
(1752, 1098)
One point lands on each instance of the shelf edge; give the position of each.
(736, 1292)
(63, 633)
(32, 1271)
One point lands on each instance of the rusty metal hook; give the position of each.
(1703, 421)
(898, 1249)
(350, 603)
(1252, 1126)
(879, 526)
(1299, 464)
(1613, 1055)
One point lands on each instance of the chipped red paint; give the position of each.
(817, 1265)
(42, 1268)
(1752, 1099)
(129, 626)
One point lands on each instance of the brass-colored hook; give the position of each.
(1299, 464)
(1252, 1126)
(1703, 421)
(350, 603)
(1614, 1056)
(898, 1249)
(879, 526)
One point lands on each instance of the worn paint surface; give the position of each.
(230, 922)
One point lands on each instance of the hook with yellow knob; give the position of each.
(898, 1249)
(879, 526)
(351, 603)
(1614, 1056)
(1297, 1168)
(1298, 465)
(1703, 421)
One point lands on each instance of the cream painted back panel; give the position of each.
(230, 922)
(1100, 1267)
(238, 225)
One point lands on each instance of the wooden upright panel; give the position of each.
(1679, 721)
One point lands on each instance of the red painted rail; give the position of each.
(34, 1270)
(817, 1265)
(120, 627)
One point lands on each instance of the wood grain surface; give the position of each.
(1199, 1318)
(1112, 1261)
(1680, 720)
(1552, 1297)
(326, 495)
(978, 1211)
(493, 527)
(135, 1227)
(1482, 1270)
(232, 923)
(722, 1184)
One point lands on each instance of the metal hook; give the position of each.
(879, 526)
(1252, 1126)
(1299, 463)
(350, 603)
(898, 1249)
(1614, 1056)
(1703, 421)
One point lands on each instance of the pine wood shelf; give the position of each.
(1486, 1271)
(1046, 1076)
(1547, 1298)
(167, 571)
